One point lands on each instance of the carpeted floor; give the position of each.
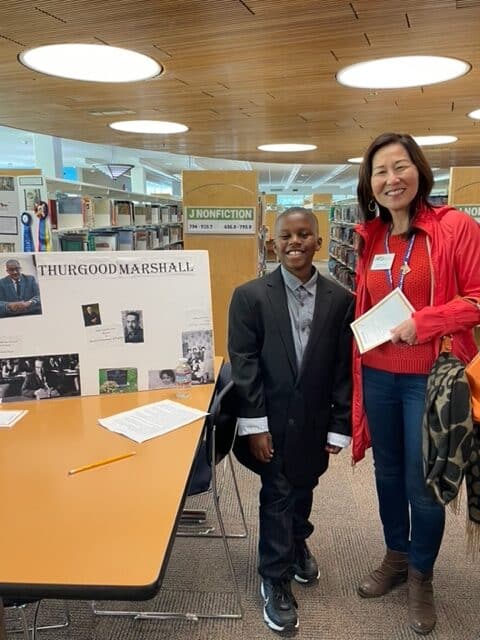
(347, 542)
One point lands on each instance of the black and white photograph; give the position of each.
(19, 291)
(39, 377)
(7, 183)
(161, 378)
(132, 321)
(197, 348)
(91, 314)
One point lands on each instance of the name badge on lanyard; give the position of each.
(382, 261)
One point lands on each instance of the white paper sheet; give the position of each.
(9, 418)
(374, 327)
(151, 420)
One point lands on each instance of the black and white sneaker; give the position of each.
(280, 610)
(305, 567)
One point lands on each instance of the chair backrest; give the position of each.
(222, 423)
(225, 428)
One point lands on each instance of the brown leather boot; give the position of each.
(392, 571)
(421, 607)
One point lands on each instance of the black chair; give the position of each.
(30, 632)
(220, 432)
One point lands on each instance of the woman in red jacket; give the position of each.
(435, 262)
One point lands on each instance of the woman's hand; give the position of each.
(405, 332)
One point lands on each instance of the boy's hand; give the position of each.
(332, 448)
(261, 446)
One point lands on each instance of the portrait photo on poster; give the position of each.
(161, 378)
(132, 320)
(119, 380)
(197, 348)
(39, 377)
(91, 314)
(19, 291)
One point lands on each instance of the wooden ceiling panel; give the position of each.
(240, 74)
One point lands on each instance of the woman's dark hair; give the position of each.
(425, 176)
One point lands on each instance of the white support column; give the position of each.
(48, 155)
(138, 180)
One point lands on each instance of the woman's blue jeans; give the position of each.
(413, 521)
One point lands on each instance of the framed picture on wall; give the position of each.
(32, 196)
(7, 183)
(9, 225)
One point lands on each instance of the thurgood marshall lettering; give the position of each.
(115, 269)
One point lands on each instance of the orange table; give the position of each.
(104, 533)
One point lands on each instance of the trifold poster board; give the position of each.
(86, 323)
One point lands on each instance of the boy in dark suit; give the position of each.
(290, 349)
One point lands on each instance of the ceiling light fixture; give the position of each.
(148, 126)
(290, 147)
(475, 115)
(90, 63)
(401, 72)
(113, 170)
(355, 160)
(428, 141)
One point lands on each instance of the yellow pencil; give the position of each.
(100, 463)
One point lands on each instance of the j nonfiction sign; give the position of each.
(224, 220)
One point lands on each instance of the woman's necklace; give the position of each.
(404, 269)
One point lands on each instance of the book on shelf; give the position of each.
(175, 235)
(102, 213)
(126, 240)
(141, 214)
(141, 240)
(52, 213)
(68, 204)
(154, 239)
(164, 237)
(88, 211)
(105, 241)
(122, 212)
(74, 242)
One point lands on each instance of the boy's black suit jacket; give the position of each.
(302, 405)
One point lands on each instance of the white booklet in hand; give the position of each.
(374, 327)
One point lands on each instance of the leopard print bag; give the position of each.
(451, 443)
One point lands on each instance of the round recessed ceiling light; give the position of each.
(355, 160)
(291, 147)
(426, 141)
(90, 63)
(474, 114)
(148, 126)
(401, 72)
